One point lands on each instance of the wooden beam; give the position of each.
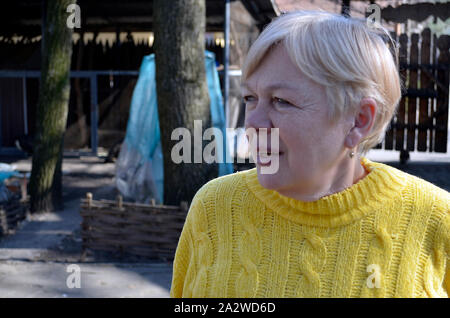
(345, 11)
(416, 12)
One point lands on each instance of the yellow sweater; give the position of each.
(386, 236)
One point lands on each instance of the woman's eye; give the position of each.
(248, 99)
(281, 101)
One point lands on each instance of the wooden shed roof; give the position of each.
(23, 17)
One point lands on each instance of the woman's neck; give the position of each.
(342, 177)
(381, 184)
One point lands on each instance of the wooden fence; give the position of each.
(421, 122)
(131, 229)
(12, 213)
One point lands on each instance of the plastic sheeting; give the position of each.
(139, 167)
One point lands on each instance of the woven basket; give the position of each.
(12, 213)
(144, 230)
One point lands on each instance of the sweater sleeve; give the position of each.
(447, 279)
(437, 271)
(443, 244)
(184, 264)
(446, 237)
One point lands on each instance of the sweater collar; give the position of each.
(382, 184)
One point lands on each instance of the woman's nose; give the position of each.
(258, 118)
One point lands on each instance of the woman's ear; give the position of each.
(363, 122)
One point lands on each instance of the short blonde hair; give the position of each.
(347, 57)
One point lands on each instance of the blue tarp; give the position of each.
(141, 153)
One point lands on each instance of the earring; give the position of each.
(352, 154)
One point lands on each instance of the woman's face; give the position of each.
(278, 95)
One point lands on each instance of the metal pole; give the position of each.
(227, 62)
(94, 115)
(25, 113)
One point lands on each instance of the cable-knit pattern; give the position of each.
(438, 244)
(434, 269)
(311, 262)
(250, 251)
(242, 240)
(342, 267)
(202, 254)
(380, 252)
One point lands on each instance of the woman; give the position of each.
(328, 222)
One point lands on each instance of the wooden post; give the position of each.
(23, 188)
(434, 73)
(400, 128)
(413, 61)
(425, 82)
(120, 202)
(389, 138)
(345, 11)
(89, 199)
(440, 140)
(184, 206)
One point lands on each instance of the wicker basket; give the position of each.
(12, 213)
(143, 230)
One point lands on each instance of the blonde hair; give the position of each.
(347, 57)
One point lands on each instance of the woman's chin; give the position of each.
(269, 180)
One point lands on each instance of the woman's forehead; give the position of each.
(301, 87)
(277, 71)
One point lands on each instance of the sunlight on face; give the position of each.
(278, 95)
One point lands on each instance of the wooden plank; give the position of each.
(102, 203)
(434, 100)
(412, 101)
(148, 240)
(112, 210)
(389, 137)
(114, 245)
(400, 117)
(134, 218)
(129, 229)
(440, 141)
(425, 83)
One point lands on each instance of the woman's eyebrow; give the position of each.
(274, 86)
(304, 95)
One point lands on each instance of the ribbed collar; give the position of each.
(383, 183)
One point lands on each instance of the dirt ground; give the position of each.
(34, 260)
(80, 176)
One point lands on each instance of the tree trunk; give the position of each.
(179, 46)
(52, 109)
